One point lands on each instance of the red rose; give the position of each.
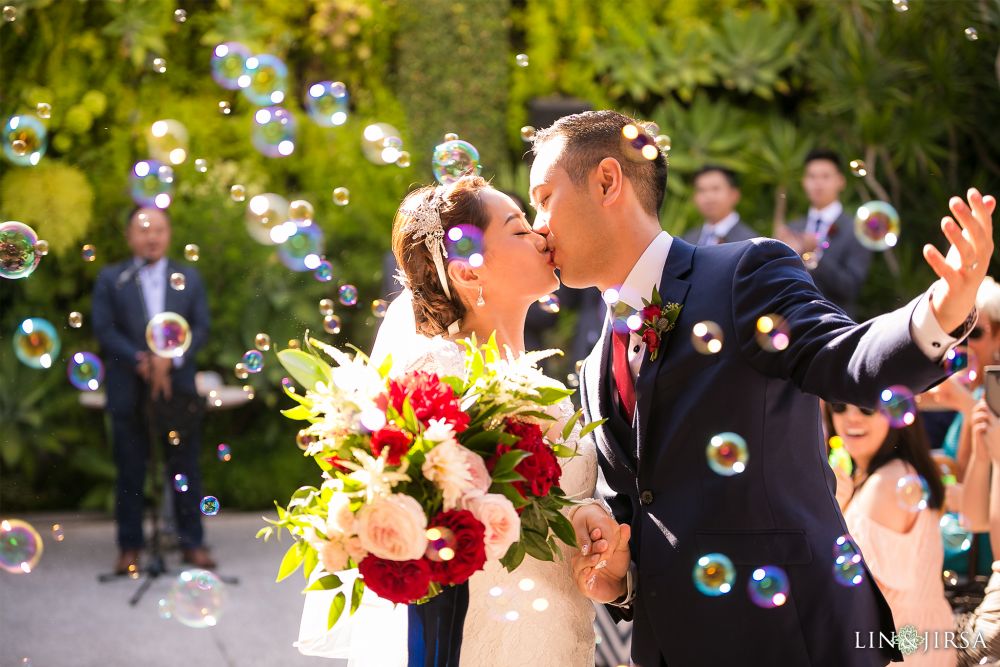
(651, 339)
(397, 581)
(541, 470)
(469, 546)
(396, 440)
(429, 397)
(651, 313)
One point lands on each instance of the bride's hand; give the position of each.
(601, 565)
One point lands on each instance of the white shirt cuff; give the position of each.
(631, 584)
(927, 333)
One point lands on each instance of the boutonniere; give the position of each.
(657, 319)
(830, 233)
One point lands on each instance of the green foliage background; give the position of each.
(749, 84)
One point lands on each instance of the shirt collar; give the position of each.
(828, 214)
(646, 273)
(158, 266)
(724, 226)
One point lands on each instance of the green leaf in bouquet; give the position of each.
(536, 545)
(410, 417)
(552, 395)
(484, 443)
(590, 427)
(356, 592)
(506, 463)
(385, 366)
(293, 558)
(562, 528)
(510, 493)
(507, 477)
(305, 368)
(309, 563)
(564, 452)
(336, 609)
(327, 582)
(571, 424)
(457, 384)
(536, 414)
(300, 412)
(513, 557)
(491, 351)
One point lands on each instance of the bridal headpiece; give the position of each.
(425, 223)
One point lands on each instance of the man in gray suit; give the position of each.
(716, 194)
(825, 238)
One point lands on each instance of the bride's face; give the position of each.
(517, 265)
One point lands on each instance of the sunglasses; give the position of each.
(841, 408)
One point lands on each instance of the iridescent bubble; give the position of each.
(240, 371)
(858, 168)
(24, 140)
(18, 258)
(265, 80)
(75, 319)
(528, 133)
(224, 452)
(192, 252)
(237, 193)
(773, 334)
(262, 342)
(876, 225)
(168, 141)
(253, 360)
(151, 184)
(714, 574)
(57, 533)
(380, 143)
(441, 544)
(88, 253)
(901, 5)
(225, 108)
(403, 160)
(549, 303)
(348, 295)
(210, 505)
(848, 569)
(898, 406)
(180, 15)
(303, 439)
(264, 213)
(326, 103)
(465, 242)
(274, 132)
(341, 196)
(956, 538)
(85, 371)
(324, 272)
(197, 599)
(326, 307)
(332, 324)
(451, 136)
(9, 13)
(159, 65)
(36, 343)
(912, 493)
(662, 142)
(454, 159)
(180, 483)
(301, 211)
(168, 335)
(379, 308)
(521, 60)
(43, 109)
(768, 587)
(20, 546)
(962, 364)
(41, 247)
(201, 165)
(304, 248)
(178, 281)
(228, 65)
(971, 34)
(706, 337)
(727, 454)
(639, 143)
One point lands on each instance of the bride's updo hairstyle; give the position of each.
(459, 203)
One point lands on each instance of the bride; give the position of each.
(534, 615)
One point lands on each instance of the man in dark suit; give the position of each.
(665, 401)
(716, 194)
(825, 238)
(139, 383)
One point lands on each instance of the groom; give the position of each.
(597, 203)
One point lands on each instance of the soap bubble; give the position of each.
(848, 569)
(20, 546)
(528, 133)
(961, 364)
(876, 225)
(662, 142)
(706, 337)
(727, 454)
(714, 574)
(88, 253)
(453, 159)
(441, 543)
(901, 5)
(262, 342)
(301, 211)
(464, 242)
(168, 141)
(57, 533)
(274, 131)
(9, 13)
(303, 249)
(201, 165)
(772, 334)
(228, 65)
(348, 295)
(210, 506)
(549, 303)
(912, 493)
(41, 247)
(85, 371)
(197, 599)
(237, 193)
(159, 65)
(75, 319)
(379, 308)
(326, 103)
(36, 343)
(264, 213)
(178, 281)
(768, 587)
(181, 483)
(265, 80)
(956, 538)
(521, 60)
(971, 34)
(25, 140)
(168, 335)
(43, 109)
(858, 168)
(180, 15)
(224, 452)
(378, 143)
(326, 307)
(253, 360)
(324, 271)
(192, 252)
(332, 324)
(403, 160)
(18, 258)
(151, 184)
(897, 404)
(240, 371)
(225, 108)
(341, 196)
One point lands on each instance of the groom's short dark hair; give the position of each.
(592, 136)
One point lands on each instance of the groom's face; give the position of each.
(566, 215)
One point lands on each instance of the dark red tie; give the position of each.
(623, 374)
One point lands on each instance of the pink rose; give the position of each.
(333, 556)
(497, 513)
(393, 528)
(355, 550)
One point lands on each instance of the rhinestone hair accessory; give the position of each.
(425, 223)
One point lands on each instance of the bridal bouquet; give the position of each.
(424, 478)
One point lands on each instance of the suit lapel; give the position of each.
(672, 290)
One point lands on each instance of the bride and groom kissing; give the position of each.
(658, 506)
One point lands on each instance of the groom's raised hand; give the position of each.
(601, 564)
(968, 259)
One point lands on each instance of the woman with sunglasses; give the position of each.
(898, 535)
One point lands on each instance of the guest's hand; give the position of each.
(986, 430)
(964, 268)
(601, 565)
(948, 395)
(161, 383)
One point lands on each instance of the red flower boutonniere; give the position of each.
(657, 319)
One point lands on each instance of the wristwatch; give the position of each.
(965, 327)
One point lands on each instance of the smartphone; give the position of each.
(991, 380)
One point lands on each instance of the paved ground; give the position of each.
(60, 616)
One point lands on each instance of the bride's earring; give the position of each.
(480, 301)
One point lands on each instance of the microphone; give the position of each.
(130, 273)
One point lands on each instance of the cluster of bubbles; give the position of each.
(85, 371)
(876, 225)
(20, 250)
(25, 140)
(714, 575)
(20, 546)
(453, 159)
(196, 599)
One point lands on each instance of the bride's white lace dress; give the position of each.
(533, 615)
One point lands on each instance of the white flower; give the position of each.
(371, 472)
(439, 430)
(450, 467)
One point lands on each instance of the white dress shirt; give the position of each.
(719, 230)
(819, 220)
(153, 281)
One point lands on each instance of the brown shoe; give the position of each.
(128, 562)
(199, 558)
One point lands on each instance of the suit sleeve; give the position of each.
(828, 354)
(107, 328)
(199, 314)
(842, 281)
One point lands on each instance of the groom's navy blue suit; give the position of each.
(781, 510)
